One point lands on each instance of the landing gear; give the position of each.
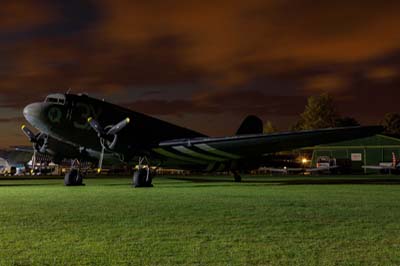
(74, 176)
(143, 176)
(237, 176)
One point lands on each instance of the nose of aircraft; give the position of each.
(32, 113)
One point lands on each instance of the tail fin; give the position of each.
(250, 125)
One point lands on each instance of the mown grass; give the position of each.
(264, 221)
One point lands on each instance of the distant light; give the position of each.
(304, 160)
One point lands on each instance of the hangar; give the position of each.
(353, 154)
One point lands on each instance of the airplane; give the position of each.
(298, 170)
(386, 167)
(285, 164)
(12, 162)
(98, 128)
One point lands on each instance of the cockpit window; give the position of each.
(51, 100)
(57, 98)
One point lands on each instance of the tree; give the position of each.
(391, 124)
(318, 113)
(346, 121)
(297, 126)
(269, 128)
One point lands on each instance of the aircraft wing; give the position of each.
(283, 170)
(23, 148)
(276, 170)
(376, 167)
(236, 147)
(320, 169)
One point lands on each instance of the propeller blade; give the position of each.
(29, 133)
(43, 147)
(96, 126)
(101, 160)
(118, 127)
(33, 162)
(111, 145)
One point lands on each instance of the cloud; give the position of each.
(18, 119)
(383, 73)
(326, 83)
(16, 16)
(222, 45)
(224, 38)
(202, 57)
(239, 103)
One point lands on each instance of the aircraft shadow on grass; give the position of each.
(180, 182)
(28, 185)
(311, 181)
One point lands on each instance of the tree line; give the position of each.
(320, 112)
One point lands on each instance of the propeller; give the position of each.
(39, 143)
(39, 140)
(108, 138)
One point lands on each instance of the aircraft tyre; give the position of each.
(73, 178)
(142, 178)
(237, 177)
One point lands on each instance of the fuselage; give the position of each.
(65, 118)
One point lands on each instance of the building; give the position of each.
(353, 154)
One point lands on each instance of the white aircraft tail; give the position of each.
(394, 160)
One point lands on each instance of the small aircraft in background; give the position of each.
(325, 164)
(12, 162)
(392, 167)
(90, 127)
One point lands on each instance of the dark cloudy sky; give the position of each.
(201, 64)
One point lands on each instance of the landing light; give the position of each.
(304, 160)
(128, 120)
(89, 119)
(23, 126)
(98, 170)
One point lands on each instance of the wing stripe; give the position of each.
(192, 153)
(220, 168)
(176, 156)
(210, 149)
(210, 167)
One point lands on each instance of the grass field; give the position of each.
(262, 221)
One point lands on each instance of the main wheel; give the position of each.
(142, 178)
(73, 178)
